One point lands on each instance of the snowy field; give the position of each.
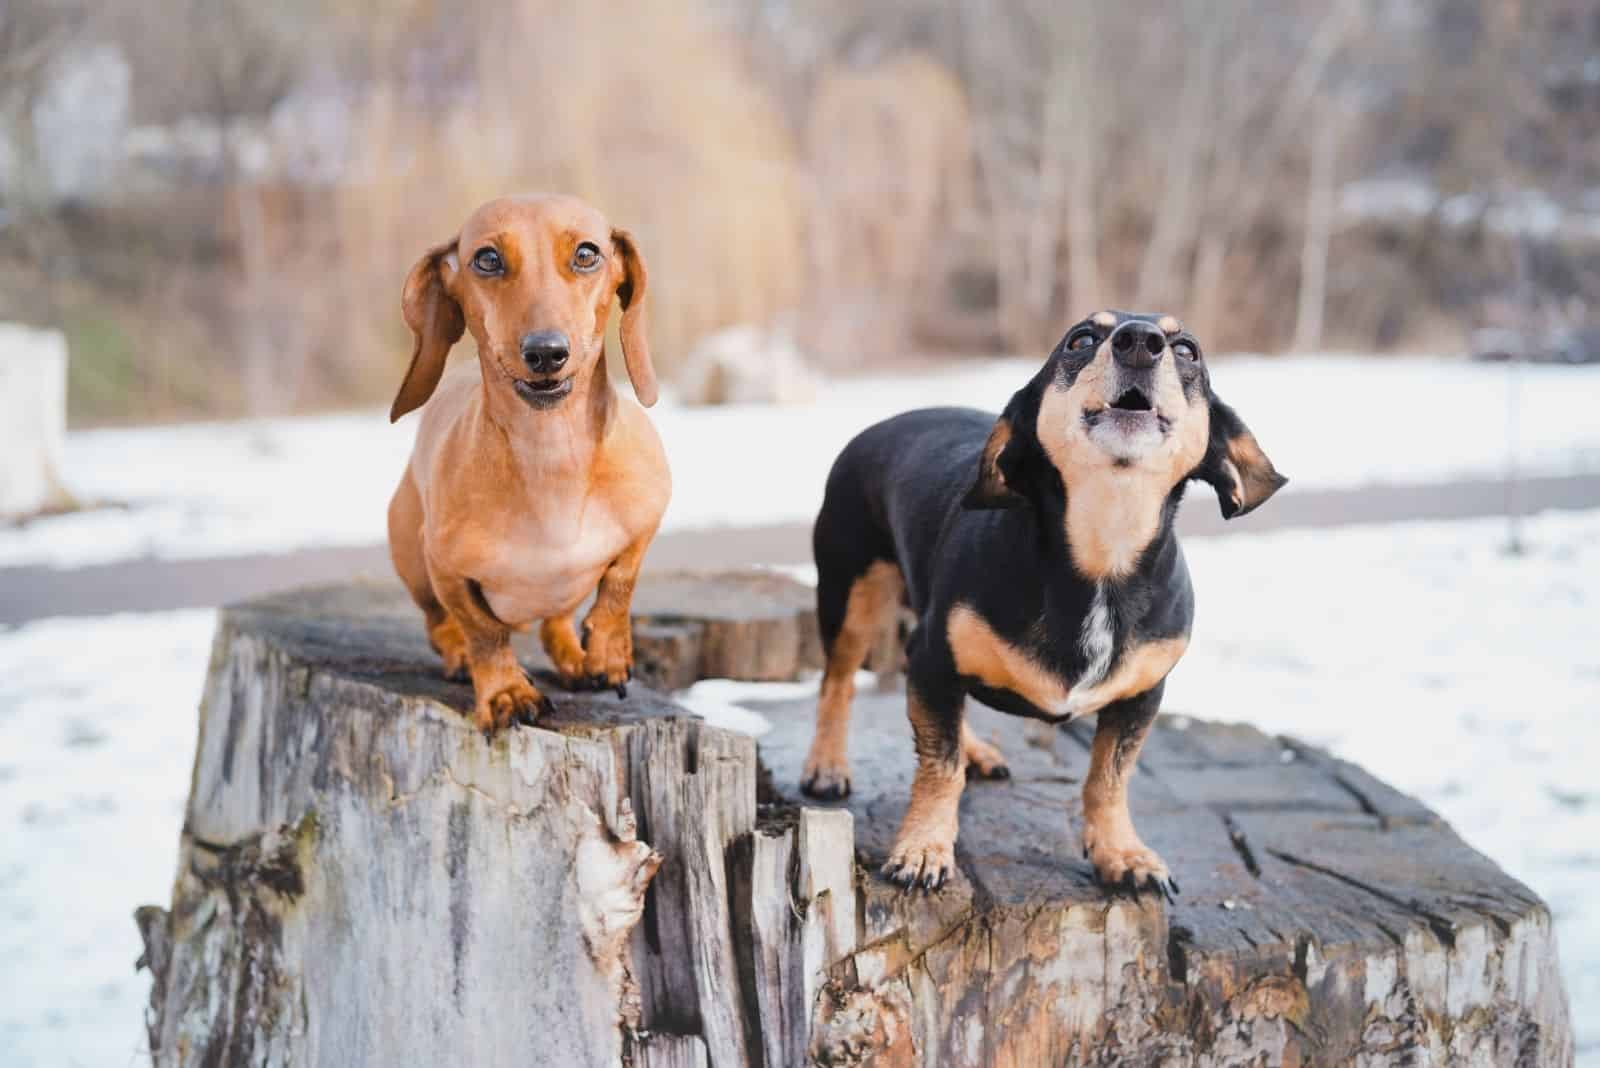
(239, 488)
(1454, 671)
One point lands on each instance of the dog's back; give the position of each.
(890, 494)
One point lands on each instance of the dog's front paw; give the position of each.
(518, 702)
(1128, 863)
(826, 776)
(921, 862)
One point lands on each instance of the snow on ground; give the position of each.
(97, 731)
(231, 489)
(1458, 673)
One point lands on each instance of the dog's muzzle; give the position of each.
(1129, 424)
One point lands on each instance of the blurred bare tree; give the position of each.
(218, 198)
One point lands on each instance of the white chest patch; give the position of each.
(1096, 640)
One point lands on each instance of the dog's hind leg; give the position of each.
(984, 760)
(405, 550)
(561, 643)
(852, 616)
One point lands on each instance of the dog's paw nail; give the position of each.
(1001, 772)
(622, 690)
(1174, 884)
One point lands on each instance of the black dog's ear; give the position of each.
(991, 489)
(1009, 468)
(1235, 465)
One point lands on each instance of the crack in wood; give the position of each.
(1442, 927)
(1179, 939)
(1241, 845)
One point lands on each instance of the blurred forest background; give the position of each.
(217, 199)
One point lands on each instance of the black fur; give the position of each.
(912, 491)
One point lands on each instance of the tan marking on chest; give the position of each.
(982, 654)
(1138, 669)
(1000, 665)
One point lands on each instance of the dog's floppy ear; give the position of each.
(1007, 468)
(1235, 465)
(630, 293)
(436, 323)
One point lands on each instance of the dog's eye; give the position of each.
(487, 262)
(1083, 339)
(587, 258)
(1185, 350)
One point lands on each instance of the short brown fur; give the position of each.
(509, 513)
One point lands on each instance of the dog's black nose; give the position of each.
(544, 351)
(1137, 344)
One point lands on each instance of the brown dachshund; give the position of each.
(531, 482)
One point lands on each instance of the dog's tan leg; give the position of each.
(560, 640)
(411, 564)
(608, 628)
(869, 607)
(1109, 840)
(501, 688)
(924, 852)
(448, 640)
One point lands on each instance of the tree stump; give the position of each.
(33, 420)
(363, 880)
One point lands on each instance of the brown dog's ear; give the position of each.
(436, 322)
(630, 292)
(1235, 465)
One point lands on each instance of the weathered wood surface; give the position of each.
(1325, 918)
(365, 881)
(760, 626)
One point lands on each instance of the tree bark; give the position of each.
(364, 880)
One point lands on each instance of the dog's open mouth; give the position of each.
(1132, 399)
(544, 392)
(1128, 425)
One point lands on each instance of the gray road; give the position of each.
(152, 585)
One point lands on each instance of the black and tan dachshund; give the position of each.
(1037, 554)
